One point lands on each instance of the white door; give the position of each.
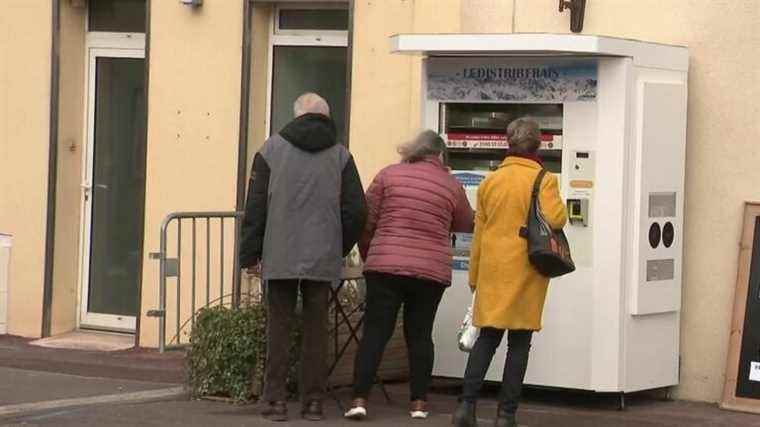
(113, 189)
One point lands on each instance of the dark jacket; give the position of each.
(412, 209)
(305, 207)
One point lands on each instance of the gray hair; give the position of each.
(524, 136)
(426, 143)
(311, 103)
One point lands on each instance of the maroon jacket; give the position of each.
(413, 208)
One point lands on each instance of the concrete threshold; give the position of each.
(88, 341)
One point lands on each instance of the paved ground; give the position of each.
(542, 409)
(22, 386)
(106, 389)
(136, 364)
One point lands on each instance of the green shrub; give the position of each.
(228, 350)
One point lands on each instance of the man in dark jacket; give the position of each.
(305, 212)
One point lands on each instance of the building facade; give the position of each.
(115, 113)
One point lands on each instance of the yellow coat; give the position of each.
(510, 293)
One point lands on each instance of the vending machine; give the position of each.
(612, 114)
(475, 134)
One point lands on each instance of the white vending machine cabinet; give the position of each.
(613, 120)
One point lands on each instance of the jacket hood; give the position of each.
(310, 132)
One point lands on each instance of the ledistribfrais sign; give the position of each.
(511, 80)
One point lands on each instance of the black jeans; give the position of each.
(281, 298)
(385, 295)
(514, 367)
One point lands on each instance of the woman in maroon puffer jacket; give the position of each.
(406, 245)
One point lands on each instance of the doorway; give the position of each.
(113, 172)
(113, 189)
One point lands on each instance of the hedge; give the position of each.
(227, 353)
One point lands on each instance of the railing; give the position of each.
(172, 267)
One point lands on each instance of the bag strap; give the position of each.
(537, 183)
(533, 199)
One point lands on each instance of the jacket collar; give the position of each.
(521, 161)
(433, 159)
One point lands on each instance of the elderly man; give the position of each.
(304, 213)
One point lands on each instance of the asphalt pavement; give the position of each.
(49, 387)
(539, 410)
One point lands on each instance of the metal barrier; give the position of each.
(172, 267)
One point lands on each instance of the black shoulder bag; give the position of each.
(548, 249)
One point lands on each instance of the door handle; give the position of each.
(87, 189)
(101, 186)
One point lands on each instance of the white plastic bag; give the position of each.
(468, 333)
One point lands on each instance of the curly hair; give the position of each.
(426, 143)
(524, 136)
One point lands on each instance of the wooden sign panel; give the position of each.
(742, 387)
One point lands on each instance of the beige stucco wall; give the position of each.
(385, 97)
(487, 16)
(193, 130)
(70, 154)
(723, 109)
(193, 118)
(25, 40)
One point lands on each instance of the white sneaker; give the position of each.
(419, 415)
(418, 410)
(358, 411)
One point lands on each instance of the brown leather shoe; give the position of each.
(313, 411)
(276, 411)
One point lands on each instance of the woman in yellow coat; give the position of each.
(509, 292)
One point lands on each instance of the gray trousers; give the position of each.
(282, 297)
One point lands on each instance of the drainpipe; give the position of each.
(349, 71)
(141, 251)
(245, 95)
(47, 289)
(245, 99)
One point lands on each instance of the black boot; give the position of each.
(504, 419)
(465, 416)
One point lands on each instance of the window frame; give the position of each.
(337, 34)
(113, 33)
(303, 38)
(111, 39)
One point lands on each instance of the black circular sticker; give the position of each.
(654, 235)
(668, 234)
